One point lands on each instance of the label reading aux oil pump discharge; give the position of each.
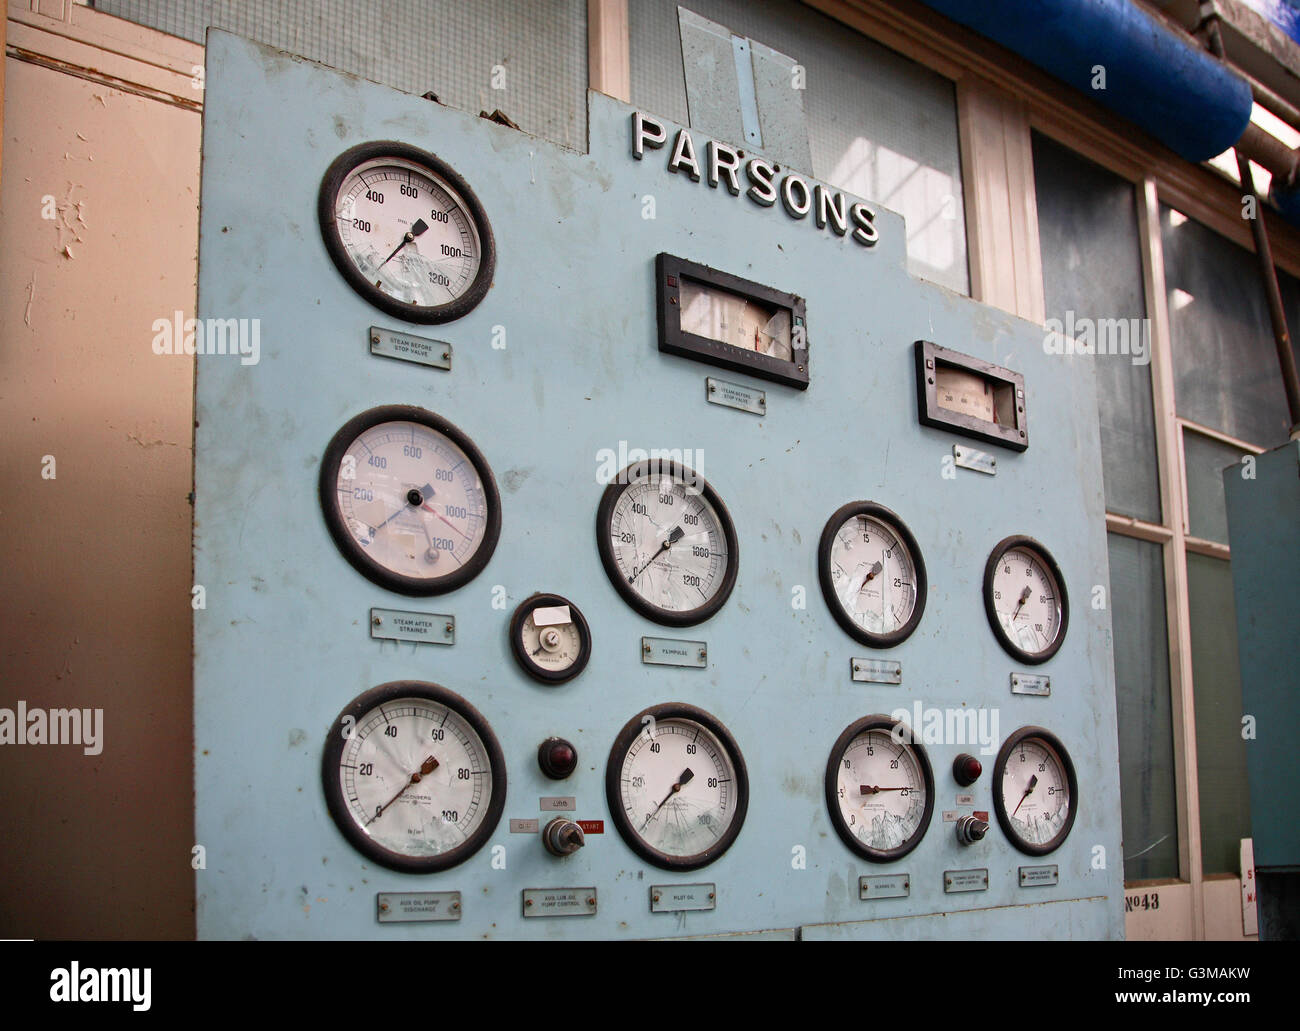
(401, 907)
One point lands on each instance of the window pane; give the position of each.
(879, 125)
(1220, 750)
(1092, 270)
(1142, 700)
(1206, 458)
(1226, 374)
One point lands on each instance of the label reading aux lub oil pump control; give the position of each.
(559, 902)
(965, 880)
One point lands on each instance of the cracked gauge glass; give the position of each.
(667, 543)
(1035, 793)
(413, 776)
(729, 318)
(872, 574)
(677, 786)
(406, 232)
(1025, 599)
(879, 788)
(409, 500)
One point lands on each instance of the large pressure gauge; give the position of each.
(872, 574)
(677, 786)
(1035, 793)
(550, 638)
(409, 500)
(1025, 599)
(879, 788)
(406, 232)
(667, 542)
(414, 776)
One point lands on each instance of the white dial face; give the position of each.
(1027, 600)
(678, 787)
(551, 638)
(1035, 791)
(412, 499)
(873, 574)
(964, 392)
(668, 542)
(732, 319)
(408, 232)
(881, 790)
(416, 777)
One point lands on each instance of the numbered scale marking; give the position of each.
(1025, 599)
(1035, 792)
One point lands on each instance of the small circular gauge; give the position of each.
(879, 788)
(667, 542)
(1025, 599)
(1035, 793)
(872, 574)
(550, 638)
(409, 500)
(677, 786)
(406, 232)
(414, 776)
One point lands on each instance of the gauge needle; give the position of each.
(686, 777)
(868, 789)
(415, 230)
(872, 573)
(427, 767)
(1024, 597)
(1033, 783)
(673, 537)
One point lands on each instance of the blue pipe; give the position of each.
(1181, 95)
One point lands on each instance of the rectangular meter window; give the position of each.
(730, 322)
(970, 396)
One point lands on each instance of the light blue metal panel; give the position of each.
(282, 645)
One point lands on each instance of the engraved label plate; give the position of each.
(978, 461)
(965, 799)
(733, 395)
(409, 348)
(1038, 876)
(876, 671)
(525, 826)
(559, 902)
(890, 886)
(682, 898)
(951, 815)
(405, 907)
(965, 880)
(558, 803)
(1031, 683)
(664, 651)
(421, 627)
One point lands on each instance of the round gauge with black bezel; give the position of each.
(677, 786)
(667, 542)
(879, 788)
(406, 232)
(550, 638)
(1035, 792)
(872, 574)
(1025, 599)
(409, 500)
(413, 776)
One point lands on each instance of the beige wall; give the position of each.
(95, 562)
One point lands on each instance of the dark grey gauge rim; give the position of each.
(990, 567)
(526, 661)
(329, 188)
(353, 552)
(604, 516)
(613, 776)
(999, 804)
(337, 804)
(877, 721)
(842, 515)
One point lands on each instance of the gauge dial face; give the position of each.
(965, 393)
(414, 776)
(677, 786)
(667, 543)
(407, 232)
(1024, 596)
(550, 638)
(872, 574)
(880, 789)
(718, 314)
(1035, 791)
(410, 500)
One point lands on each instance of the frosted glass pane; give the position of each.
(1206, 459)
(1146, 730)
(1092, 270)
